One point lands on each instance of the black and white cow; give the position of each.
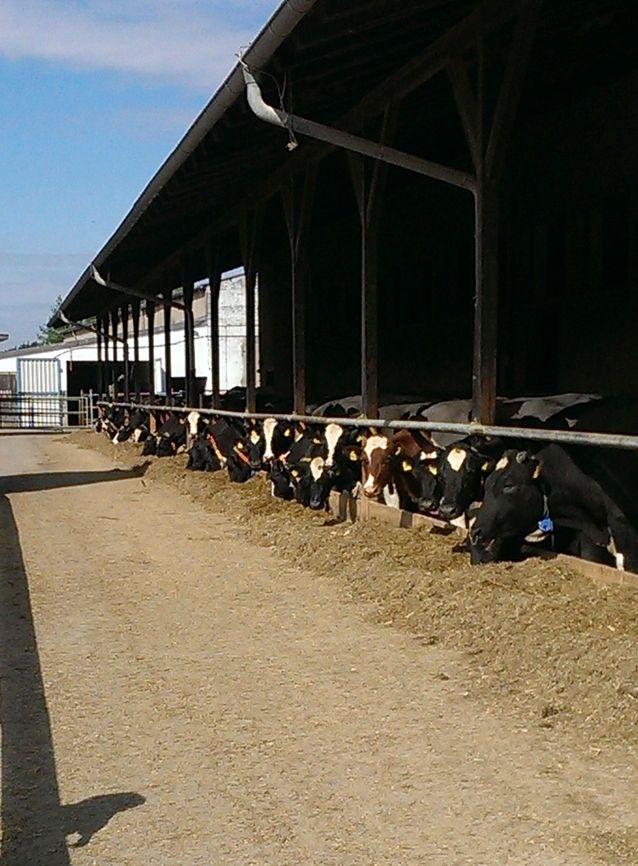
(170, 438)
(231, 448)
(135, 427)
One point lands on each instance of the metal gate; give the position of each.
(39, 389)
(38, 401)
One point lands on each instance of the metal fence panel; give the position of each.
(39, 383)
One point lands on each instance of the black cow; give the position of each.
(281, 482)
(169, 439)
(461, 470)
(278, 437)
(135, 427)
(231, 448)
(202, 456)
(546, 491)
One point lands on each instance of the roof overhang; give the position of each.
(342, 62)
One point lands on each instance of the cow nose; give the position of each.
(425, 504)
(449, 512)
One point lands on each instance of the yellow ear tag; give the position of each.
(407, 467)
(354, 455)
(537, 472)
(288, 432)
(294, 473)
(433, 470)
(485, 466)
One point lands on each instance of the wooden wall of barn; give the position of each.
(569, 265)
(569, 302)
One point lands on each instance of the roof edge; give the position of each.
(267, 41)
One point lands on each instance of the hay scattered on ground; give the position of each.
(560, 649)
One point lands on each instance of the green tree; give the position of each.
(47, 335)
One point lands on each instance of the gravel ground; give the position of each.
(221, 678)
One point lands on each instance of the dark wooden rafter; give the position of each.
(297, 201)
(107, 364)
(487, 140)
(150, 324)
(511, 87)
(114, 316)
(369, 182)
(100, 358)
(489, 15)
(135, 317)
(249, 227)
(213, 267)
(189, 332)
(127, 385)
(167, 293)
(466, 104)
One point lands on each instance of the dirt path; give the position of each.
(190, 699)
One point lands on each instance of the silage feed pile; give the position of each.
(561, 650)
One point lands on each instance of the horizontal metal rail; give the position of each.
(567, 437)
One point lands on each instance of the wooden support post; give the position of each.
(369, 183)
(189, 335)
(150, 324)
(107, 364)
(114, 323)
(487, 143)
(100, 361)
(248, 237)
(168, 365)
(135, 315)
(127, 377)
(213, 266)
(298, 210)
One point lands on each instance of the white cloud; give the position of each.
(191, 42)
(29, 285)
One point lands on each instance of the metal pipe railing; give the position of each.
(567, 437)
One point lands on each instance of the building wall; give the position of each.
(232, 339)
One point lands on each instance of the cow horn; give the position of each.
(522, 457)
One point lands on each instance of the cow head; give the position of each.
(514, 503)
(376, 463)
(255, 446)
(312, 483)
(420, 475)
(281, 484)
(278, 437)
(202, 457)
(462, 470)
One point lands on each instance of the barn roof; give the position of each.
(340, 62)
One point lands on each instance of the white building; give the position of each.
(72, 364)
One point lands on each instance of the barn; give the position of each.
(438, 197)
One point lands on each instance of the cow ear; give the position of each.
(522, 457)
(537, 471)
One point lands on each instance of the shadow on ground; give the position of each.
(53, 480)
(34, 823)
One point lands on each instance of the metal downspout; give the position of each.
(348, 141)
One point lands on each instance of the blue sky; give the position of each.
(94, 94)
